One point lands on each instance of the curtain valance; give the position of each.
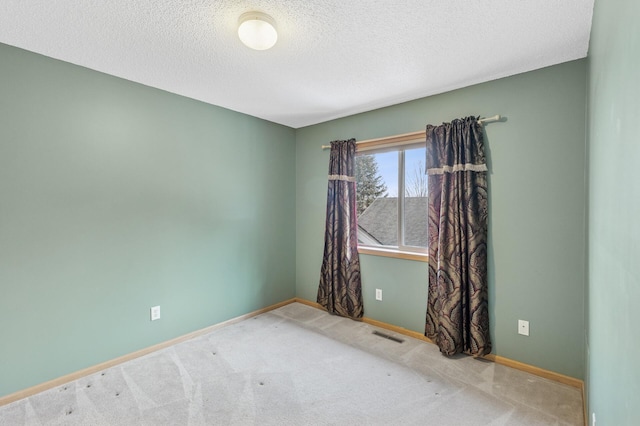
(443, 157)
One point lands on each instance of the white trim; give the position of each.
(342, 177)
(366, 238)
(458, 168)
(399, 247)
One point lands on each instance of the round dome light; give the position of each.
(257, 30)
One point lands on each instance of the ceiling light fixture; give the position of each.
(257, 30)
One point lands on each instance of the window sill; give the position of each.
(420, 257)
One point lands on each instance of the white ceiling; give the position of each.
(333, 57)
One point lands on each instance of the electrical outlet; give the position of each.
(378, 294)
(523, 327)
(593, 417)
(155, 313)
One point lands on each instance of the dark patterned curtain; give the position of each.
(457, 309)
(340, 291)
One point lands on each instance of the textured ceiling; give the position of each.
(333, 57)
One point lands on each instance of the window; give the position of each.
(392, 202)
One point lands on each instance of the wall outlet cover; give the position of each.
(523, 327)
(378, 294)
(155, 313)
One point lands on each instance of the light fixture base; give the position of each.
(257, 30)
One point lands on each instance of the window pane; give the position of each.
(377, 197)
(415, 198)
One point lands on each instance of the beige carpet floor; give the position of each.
(298, 365)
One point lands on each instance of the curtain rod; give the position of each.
(411, 136)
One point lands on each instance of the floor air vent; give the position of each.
(386, 336)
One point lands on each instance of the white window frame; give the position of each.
(398, 144)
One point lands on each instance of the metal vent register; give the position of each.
(386, 336)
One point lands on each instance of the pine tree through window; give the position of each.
(392, 201)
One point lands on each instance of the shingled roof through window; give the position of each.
(378, 224)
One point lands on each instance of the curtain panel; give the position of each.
(340, 289)
(457, 308)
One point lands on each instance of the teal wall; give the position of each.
(614, 211)
(537, 211)
(115, 197)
